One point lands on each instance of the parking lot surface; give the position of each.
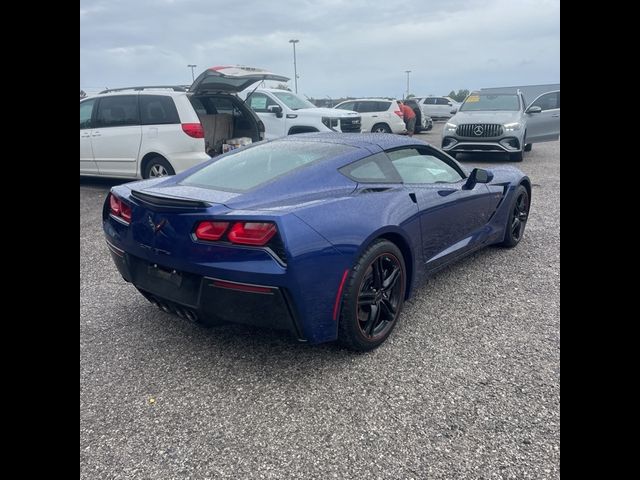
(467, 386)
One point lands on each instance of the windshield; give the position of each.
(293, 101)
(251, 167)
(494, 102)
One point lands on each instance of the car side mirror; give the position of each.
(478, 175)
(535, 109)
(277, 109)
(450, 104)
(453, 111)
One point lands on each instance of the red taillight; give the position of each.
(211, 231)
(252, 233)
(115, 204)
(125, 212)
(399, 113)
(194, 130)
(119, 209)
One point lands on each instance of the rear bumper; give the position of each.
(207, 299)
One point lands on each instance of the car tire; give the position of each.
(516, 157)
(157, 167)
(527, 147)
(369, 310)
(380, 128)
(517, 220)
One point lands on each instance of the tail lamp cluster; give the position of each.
(399, 113)
(119, 209)
(241, 233)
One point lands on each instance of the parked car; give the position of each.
(500, 122)
(286, 113)
(379, 115)
(321, 235)
(438, 108)
(143, 132)
(424, 122)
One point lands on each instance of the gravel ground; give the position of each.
(466, 387)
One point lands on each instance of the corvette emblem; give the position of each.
(156, 227)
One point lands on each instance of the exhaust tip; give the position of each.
(191, 315)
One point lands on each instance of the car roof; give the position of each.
(375, 99)
(358, 140)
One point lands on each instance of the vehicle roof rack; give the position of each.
(175, 88)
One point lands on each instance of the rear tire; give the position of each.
(157, 167)
(527, 147)
(518, 216)
(373, 297)
(380, 128)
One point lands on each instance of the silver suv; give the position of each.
(501, 122)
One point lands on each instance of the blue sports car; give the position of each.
(323, 235)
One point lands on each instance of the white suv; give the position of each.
(142, 132)
(379, 115)
(437, 107)
(285, 113)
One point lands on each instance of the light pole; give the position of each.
(192, 67)
(407, 72)
(295, 68)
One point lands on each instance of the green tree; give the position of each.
(460, 96)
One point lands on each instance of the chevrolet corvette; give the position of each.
(322, 235)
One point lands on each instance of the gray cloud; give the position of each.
(354, 47)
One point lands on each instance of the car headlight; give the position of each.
(512, 127)
(450, 127)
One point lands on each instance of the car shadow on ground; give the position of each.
(100, 182)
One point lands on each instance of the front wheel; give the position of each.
(518, 215)
(373, 297)
(527, 147)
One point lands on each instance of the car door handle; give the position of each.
(95, 134)
(374, 116)
(444, 193)
(413, 197)
(556, 115)
(86, 135)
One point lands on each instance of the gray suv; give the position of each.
(501, 122)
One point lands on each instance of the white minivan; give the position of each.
(153, 131)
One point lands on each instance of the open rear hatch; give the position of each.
(231, 79)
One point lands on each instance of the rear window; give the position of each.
(249, 168)
(158, 110)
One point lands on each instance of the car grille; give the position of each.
(475, 130)
(350, 125)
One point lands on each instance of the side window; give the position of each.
(430, 101)
(382, 106)
(442, 101)
(366, 107)
(373, 169)
(86, 109)
(259, 102)
(118, 111)
(347, 106)
(419, 166)
(548, 101)
(158, 110)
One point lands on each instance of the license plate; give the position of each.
(168, 275)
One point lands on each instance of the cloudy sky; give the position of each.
(347, 47)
